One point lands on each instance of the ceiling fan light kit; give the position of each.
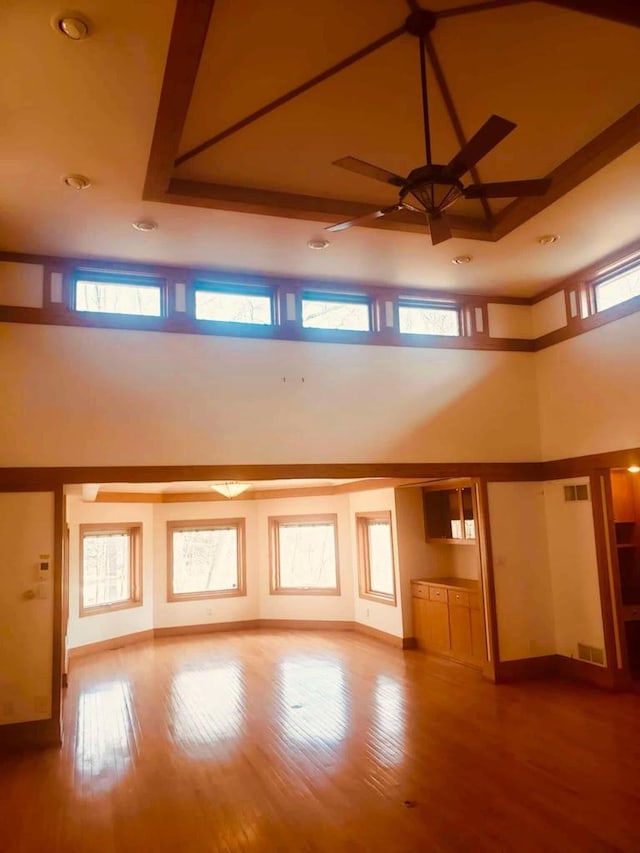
(433, 188)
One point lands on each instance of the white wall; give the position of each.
(524, 602)
(375, 614)
(209, 400)
(574, 571)
(26, 624)
(83, 630)
(588, 391)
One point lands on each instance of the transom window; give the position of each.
(110, 567)
(108, 294)
(618, 288)
(321, 310)
(375, 557)
(416, 317)
(232, 304)
(206, 559)
(304, 555)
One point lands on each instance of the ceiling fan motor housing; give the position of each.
(433, 187)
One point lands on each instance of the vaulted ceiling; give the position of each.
(253, 199)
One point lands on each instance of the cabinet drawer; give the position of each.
(419, 590)
(458, 597)
(437, 593)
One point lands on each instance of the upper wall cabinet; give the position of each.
(448, 514)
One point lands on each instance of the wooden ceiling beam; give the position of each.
(618, 138)
(316, 208)
(188, 36)
(620, 11)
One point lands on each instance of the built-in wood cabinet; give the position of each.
(448, 619)
(625, 494)
(448, 514)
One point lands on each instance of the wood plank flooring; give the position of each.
(310, 741)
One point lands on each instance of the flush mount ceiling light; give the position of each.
(145, 225)
(318, 244)
(634, 469)
(461, 259)
(230, 489)
(548, 239)
(76, 182)
(71, 25)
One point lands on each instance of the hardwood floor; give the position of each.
(302, 741)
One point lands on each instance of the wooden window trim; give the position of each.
(364, 566)
(208, 524)
(274, 523)
(134, 530)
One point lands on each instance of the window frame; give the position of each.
(365, 590)
(134, 531)
(274, 523)
(319, 295)
(208, 524)
(236, 289)
(606, 278)
(417, 302)
(125, 279)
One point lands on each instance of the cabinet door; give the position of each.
(420, 631)
(438, 637)
(460, 623)
(622, 495)
(478, 636)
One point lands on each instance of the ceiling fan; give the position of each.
(431, 189)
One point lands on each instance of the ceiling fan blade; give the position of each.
(477, 7)
(490, 134)
(439, 229)
(369, 170)
(508, 189)
(376, 214)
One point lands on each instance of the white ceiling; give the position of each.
(90, 107)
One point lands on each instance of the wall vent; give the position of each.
(576, 493)
(590, 653)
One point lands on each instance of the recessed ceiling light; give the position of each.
(318, 244)
(72, 25)
(548, 239)
(634, 469)
(77, 182)
(461, 259)
(145, 225)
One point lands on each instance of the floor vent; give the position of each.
(576, 493)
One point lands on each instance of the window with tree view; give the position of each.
(109, 296)
(234, 305)
(375, 556)
(110, 567)
(304, 554)
(619, 288)
(416, 318)
(206, 559)
(326, 311)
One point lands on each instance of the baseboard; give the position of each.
(307, 624)
(111, 644)
(206, 628)
(245, 625)
(389, 639)
(32, 735)
(580, 670)
(525, 669)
